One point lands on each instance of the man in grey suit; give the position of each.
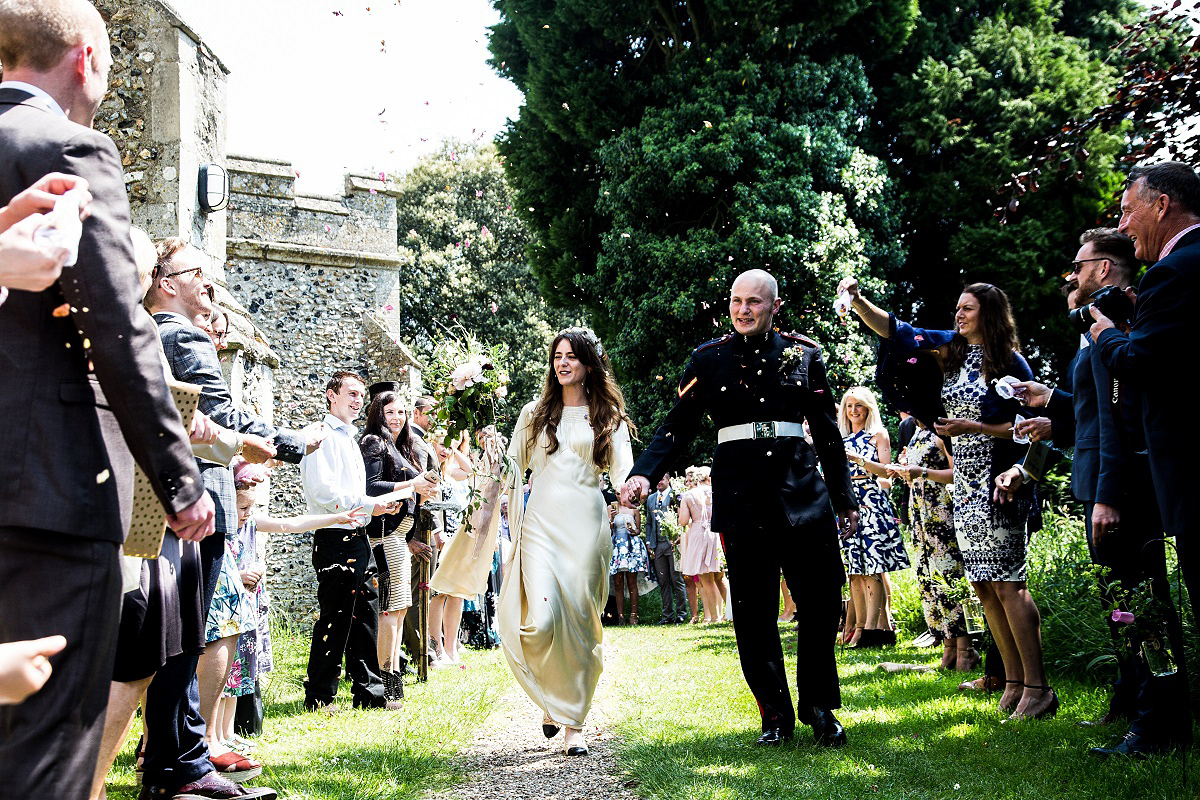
(82, 398)
(662, 550)
(179, 292)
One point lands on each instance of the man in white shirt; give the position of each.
(335, 481)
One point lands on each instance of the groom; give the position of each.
(773, 509)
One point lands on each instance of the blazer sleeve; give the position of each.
(1060, 409)
(194, 359)
(118, 337)
(677, 430)
(827, 439)
(1160, 325)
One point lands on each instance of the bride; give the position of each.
(557, 582)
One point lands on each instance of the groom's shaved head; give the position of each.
(760, 279)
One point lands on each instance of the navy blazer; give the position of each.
(1155, 350)
(193, 359)
(82, 394)
(1102, 442)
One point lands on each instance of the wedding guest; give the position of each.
(630, 560)
(690, 582)
(421, 541)
(445, 610)
(662, 552)
(335, 480)
(390, 453)
(557, 582)
(929, 471)
(62, 521)
(701, 549)
(982, 348)
(877, 547)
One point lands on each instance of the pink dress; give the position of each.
(702, 549)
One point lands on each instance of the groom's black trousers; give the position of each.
(809, 558)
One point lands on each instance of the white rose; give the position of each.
(502, 392)
(465, 375)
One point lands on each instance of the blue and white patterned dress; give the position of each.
(990, 552)
(877, 546)
(629, 550)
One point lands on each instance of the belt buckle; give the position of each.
(764, 430)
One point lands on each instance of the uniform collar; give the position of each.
(752, 343)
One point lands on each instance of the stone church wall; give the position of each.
(309, 282)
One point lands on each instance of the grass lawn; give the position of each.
(360, 755)
(686, 722)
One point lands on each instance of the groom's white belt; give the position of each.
(759, 430)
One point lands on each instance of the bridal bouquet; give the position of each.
(469, 383)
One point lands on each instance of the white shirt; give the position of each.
(334, 475)
(38, 93)
(1169, 246)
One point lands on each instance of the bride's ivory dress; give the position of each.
(556, 582)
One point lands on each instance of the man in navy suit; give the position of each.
(662, 551)
(1160, 211)
(1110, 475)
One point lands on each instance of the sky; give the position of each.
(372, 87)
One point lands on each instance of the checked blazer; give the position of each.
(193, 359)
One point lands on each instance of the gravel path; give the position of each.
(512, 759)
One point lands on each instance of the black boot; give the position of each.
(827, 731)
(393, 690)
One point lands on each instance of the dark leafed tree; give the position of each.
(961, 106)
(666, 146)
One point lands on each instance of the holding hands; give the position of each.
(635, 490)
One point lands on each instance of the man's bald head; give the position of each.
(36, 34)
(759, 279)
(753, 302)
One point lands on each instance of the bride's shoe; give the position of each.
(575, 745)
(549, 729)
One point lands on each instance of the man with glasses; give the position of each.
(180, 291)
(1110, 476)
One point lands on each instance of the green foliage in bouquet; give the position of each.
(469, 381)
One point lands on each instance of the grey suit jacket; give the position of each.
(653, 509)
(193, 359)
(82, 395)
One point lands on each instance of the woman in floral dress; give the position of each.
(929, 469)
(876, 547)
(630, 560)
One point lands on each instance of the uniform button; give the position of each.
(762, 399)
(760, 372)
(722, 388)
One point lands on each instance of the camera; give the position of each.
(1112, 302)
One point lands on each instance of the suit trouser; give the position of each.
(176, 751)
(52, 583)
(349, 622)
(670, 583)
(810, 560)
(1156, 706)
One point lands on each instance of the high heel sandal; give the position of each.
(633, 619)
(1049, 711)
(580, 746)
(1002, 707)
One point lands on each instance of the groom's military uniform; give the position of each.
(773, 510)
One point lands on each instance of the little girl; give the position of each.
(253, 658)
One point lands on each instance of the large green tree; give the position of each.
(961, 107)
(467, 252)
(664, 147)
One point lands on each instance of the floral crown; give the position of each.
(586, 333)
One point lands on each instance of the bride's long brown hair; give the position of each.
(606, 403)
